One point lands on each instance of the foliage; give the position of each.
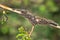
(23, 35)
(4, 18)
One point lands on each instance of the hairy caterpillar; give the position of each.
(33, 19)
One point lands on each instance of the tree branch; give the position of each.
(33, 19)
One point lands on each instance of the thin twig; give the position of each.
(10, 9)
(31, 31)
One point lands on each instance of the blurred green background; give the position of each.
(49, 9)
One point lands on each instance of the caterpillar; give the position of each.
(33, 19)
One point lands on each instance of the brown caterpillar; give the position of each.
(33, 19)
(37, 20)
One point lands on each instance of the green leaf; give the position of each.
(19, 35)
(23, 35)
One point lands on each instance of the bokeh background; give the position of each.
(49, 9)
